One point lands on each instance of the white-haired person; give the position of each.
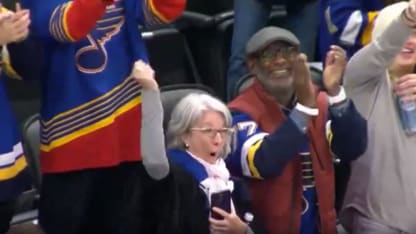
(381, 194)
(198, 139)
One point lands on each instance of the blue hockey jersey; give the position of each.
(347, 23)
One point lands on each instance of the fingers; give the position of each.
(4, 16)
(142, 71)
(20, 25)
(218, 225)
(300, 62)
(302, 58)
(406, 91)
(336, 55)
(301, 71)
(18, 7)
(405, 87)
(406, 81)
(21, 14)
(412, 6)
(139, 65)
(221, 212)
(337, 49)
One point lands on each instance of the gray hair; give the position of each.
(187, 112)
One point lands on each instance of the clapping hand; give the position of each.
(335, 63)
(14, 26)
(304, 88)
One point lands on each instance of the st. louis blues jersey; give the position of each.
(13, 166)
(347, 23)
(248, 139)
(91, 108)
(14, 176)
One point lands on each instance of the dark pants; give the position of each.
(106, 200)
(6, 214)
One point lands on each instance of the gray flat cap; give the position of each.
(268, 35)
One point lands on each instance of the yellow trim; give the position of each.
(98, 125)
(250, 158)
(8, 68)
(156, 12)
(329, 136)
(366, 37)
(112, 102)
(98, 99)
(65, 19)
(10, 172)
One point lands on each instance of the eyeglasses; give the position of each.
(273, 52)
(212, 132)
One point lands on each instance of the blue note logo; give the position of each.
(93, 57)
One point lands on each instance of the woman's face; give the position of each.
(406, 58)
(207, 138)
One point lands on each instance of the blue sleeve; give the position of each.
(257, 154)
(348, 132)
(350, 22)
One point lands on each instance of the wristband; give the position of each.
(340, 97)
(307, 110)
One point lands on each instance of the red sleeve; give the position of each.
(162, 11)
(82, 15)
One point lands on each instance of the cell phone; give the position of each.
(221, 200)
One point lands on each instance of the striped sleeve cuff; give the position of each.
(57, 24)
(158, 12)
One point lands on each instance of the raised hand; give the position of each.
(335, 63)
(412, 6)
(144, 75)
(304, 88)
(14, 27)
(231, 224)
(409, 15)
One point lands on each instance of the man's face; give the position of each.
(272, 66)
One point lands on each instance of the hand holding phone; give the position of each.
(221, 200)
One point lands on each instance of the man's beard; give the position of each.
(276, 87)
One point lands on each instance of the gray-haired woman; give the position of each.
(198, 138)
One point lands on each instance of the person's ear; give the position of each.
(185, 140)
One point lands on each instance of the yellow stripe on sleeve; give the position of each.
(250, 157)
(10, 172)
(65, 20)
(156, 12)
(366, 37)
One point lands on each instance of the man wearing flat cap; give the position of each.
(287, 134)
